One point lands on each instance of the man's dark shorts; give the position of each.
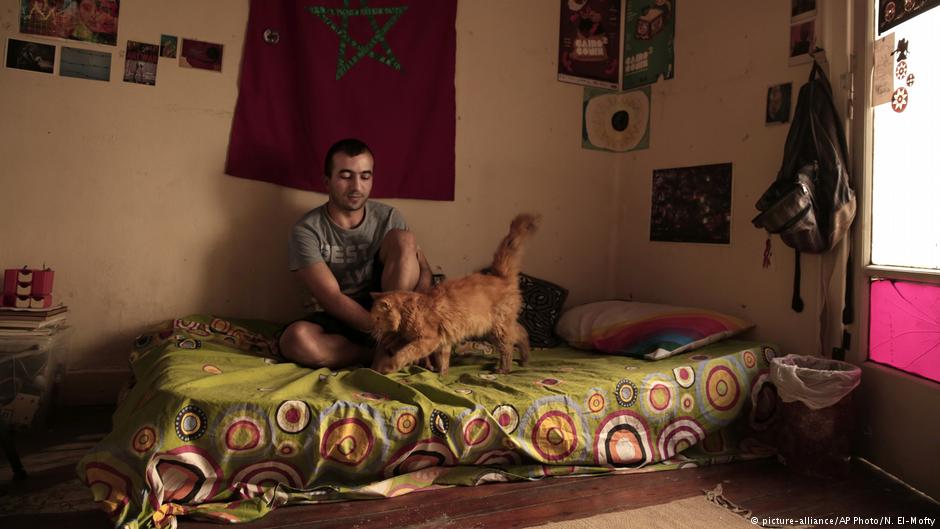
(333, 325)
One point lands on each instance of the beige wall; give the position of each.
(120, 188)
(713, 112)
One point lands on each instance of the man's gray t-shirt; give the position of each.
(350, 254)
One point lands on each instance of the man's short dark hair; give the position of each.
(349, 146)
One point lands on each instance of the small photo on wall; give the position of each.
(692, 204)
(802, 9)
(85, 64)
(32, 56)
(778, 103)
(140, 63)
(203, 55)
(802, 41)
(168, 44)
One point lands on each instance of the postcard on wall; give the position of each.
(692, 204)
(589, 42)
(140, 63)
(199, 54)
(32, 56)
(616, 121)
(85, 64)
(802, 41)
(87, 20)
(778, 103)
(168, 44)
(882, 76)
(648, 42)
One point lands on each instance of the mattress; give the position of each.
(216, 426)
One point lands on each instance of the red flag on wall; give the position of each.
(316, 71)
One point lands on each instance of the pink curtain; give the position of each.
(905, 327)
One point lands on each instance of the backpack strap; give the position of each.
(796, 303)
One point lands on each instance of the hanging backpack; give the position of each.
(811, 204)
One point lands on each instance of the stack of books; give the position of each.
(26, 322)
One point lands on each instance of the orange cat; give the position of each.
(410, 326)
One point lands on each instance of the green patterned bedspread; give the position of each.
(216, 427)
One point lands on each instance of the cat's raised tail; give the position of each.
(508, 258)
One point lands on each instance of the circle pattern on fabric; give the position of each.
(368, 395)
(185, 475)
(554, 435)
(220, 326)
(144, 439)
(769, 353)
(406, 423)
(143, 341)
(685, 376)
(111, 487)
(498, 458)
(750, 361)
(626, 393)
(255, 479)
(623, 439)
(189, 343)
(507, 417)
(439, 423)
(244, 434)
(423, 454)
(347, 441)
(722, 388)
(191, 423)
(687, 403)
(549, 382)
(596, 402)
(293, 416)
(679, 434)
(288, 448)
(476, 431)
(660, 397)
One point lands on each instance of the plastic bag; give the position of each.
(817, 382)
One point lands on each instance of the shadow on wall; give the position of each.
(246, 274)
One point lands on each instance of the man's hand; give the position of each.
(321, 282)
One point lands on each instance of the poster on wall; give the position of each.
(86, 20)
(589, 42)
(140, 63)
(648, 42)
(85, 64)
(692, 204)
(617, 122)
(893, 12)
(32, 56)
(168, 45)
(778, 103)
(202, 55)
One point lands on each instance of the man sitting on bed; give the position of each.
(342, 251)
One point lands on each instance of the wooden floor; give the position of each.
(765, 487)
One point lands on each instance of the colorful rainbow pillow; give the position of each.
(645, 330)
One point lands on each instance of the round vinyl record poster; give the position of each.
(616, 121)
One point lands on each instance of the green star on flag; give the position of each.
(343, 64)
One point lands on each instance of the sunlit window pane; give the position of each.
(906, 171)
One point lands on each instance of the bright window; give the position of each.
(906, 164)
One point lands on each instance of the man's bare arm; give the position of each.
(424, 276)
(321, 282)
